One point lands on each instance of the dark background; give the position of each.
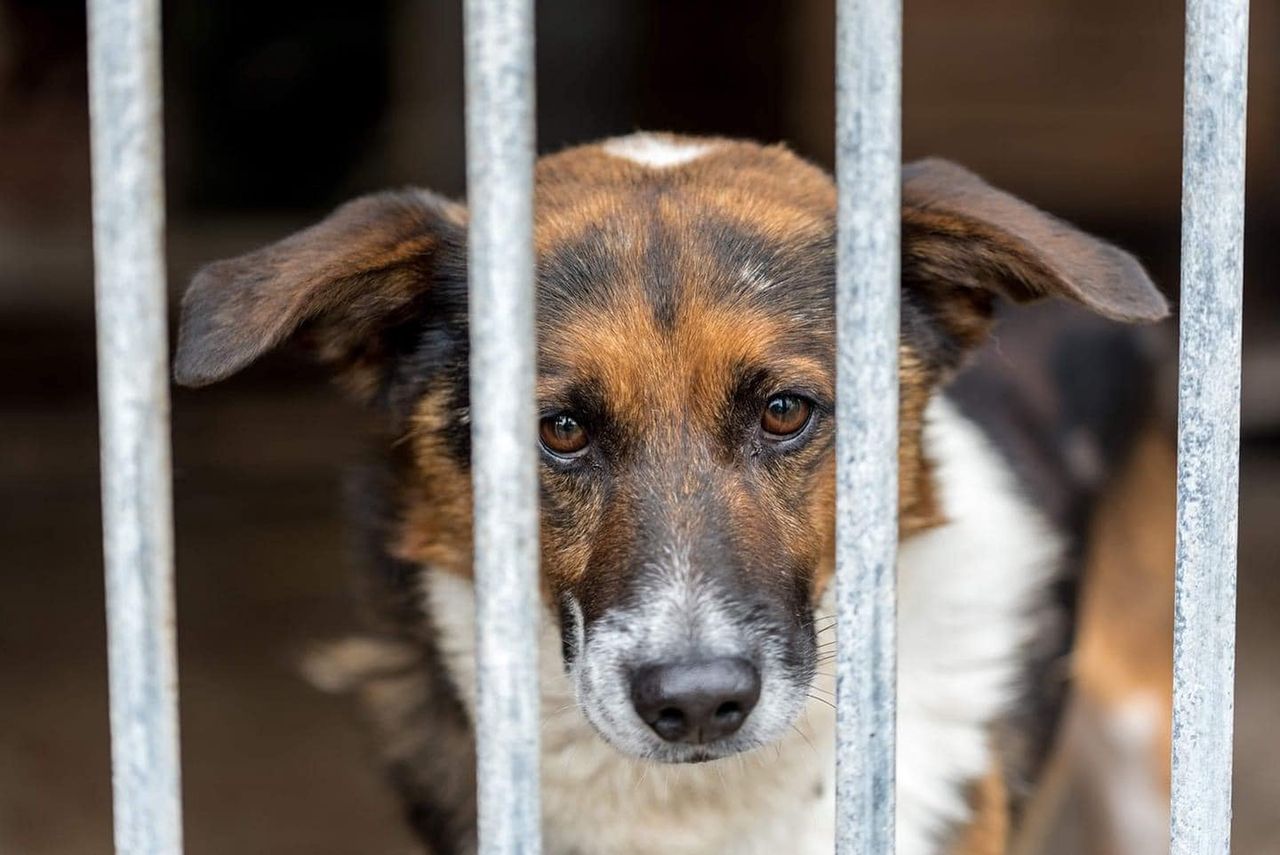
(278, 110)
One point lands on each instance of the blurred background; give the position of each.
(277, 111)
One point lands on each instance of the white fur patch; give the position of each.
(965, 592)
(656, 151)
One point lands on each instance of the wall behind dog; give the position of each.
(277, 111)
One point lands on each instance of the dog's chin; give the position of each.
(692, 754)
(656, 751)
(635, 740)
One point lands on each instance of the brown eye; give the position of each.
(562, 434)
(785, 416)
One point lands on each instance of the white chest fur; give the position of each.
(966, 590)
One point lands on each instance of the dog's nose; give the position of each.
(696, 702)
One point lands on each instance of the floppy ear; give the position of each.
(964, 241)
(344, 282)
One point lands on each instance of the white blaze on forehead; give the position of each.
(655, 151)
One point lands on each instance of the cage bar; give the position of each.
(1208, 424)
(868, 170)
(133, 391)
(500, 156)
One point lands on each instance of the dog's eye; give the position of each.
(785, 416)
(562, 434)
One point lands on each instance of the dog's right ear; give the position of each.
(344, 282)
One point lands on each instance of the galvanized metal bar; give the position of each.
(868, 170)
(1209, 424)
(133, 391)
(500, 156)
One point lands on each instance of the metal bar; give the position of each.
(133, 390)
(500, 156)
(1208, 424)
(868, 170)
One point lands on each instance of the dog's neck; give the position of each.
(967, 593)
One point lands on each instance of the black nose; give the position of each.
(696, 701)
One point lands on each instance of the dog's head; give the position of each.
(686, 390)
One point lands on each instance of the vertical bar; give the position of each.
(500, 156)
(133, 391)
(1208, 424)
(868, 174)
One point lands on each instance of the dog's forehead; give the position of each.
(665, 258)
(742, 182)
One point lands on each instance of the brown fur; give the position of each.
(1125, 650)
(345, 278)
(437, 523)
(988, 832)
(1126, 624)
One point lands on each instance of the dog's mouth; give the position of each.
(702, 757)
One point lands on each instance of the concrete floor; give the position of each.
(270, 765)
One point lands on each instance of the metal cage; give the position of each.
(128, 214)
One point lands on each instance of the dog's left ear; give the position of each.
(964, 241)
(340, 286)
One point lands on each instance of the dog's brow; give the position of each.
(562, 387)
(802, 374)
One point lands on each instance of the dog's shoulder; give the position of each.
(1061, 397)
(1062, 394)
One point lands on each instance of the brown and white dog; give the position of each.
(686, 335)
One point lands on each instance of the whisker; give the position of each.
(644, 773)
(805, 737)
(554, 714)
(822, 700)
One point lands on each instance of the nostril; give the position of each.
(670, 724)
(728, 709)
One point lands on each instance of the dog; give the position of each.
(686, 391)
